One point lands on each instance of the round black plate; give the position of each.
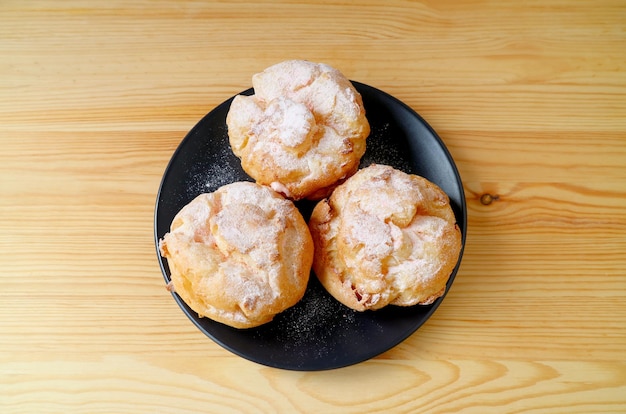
(318, 333)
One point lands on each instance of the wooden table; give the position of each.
(529, 97)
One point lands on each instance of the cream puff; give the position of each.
(302, 132)
(239, 255)
(385, 237)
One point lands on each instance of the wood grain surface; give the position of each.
(529, 97)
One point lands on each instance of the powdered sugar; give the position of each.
(290, 122)
(370, 232)
(222, 171)
(249, 221)
(383, 147)
(312, 324)
(216, 169)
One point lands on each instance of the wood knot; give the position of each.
(487, 199)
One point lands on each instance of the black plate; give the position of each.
(318, 333)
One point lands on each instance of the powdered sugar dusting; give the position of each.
(290, 122)
(245, 222)
(312, 325)
(219, 167)
(383, 147)
(221, 171)
(372, 233)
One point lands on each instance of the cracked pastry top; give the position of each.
(239, 255)
(385, 237)
(302, 132)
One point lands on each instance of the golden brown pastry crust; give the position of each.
(239, 255)
(302, 132)
(385, 237)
